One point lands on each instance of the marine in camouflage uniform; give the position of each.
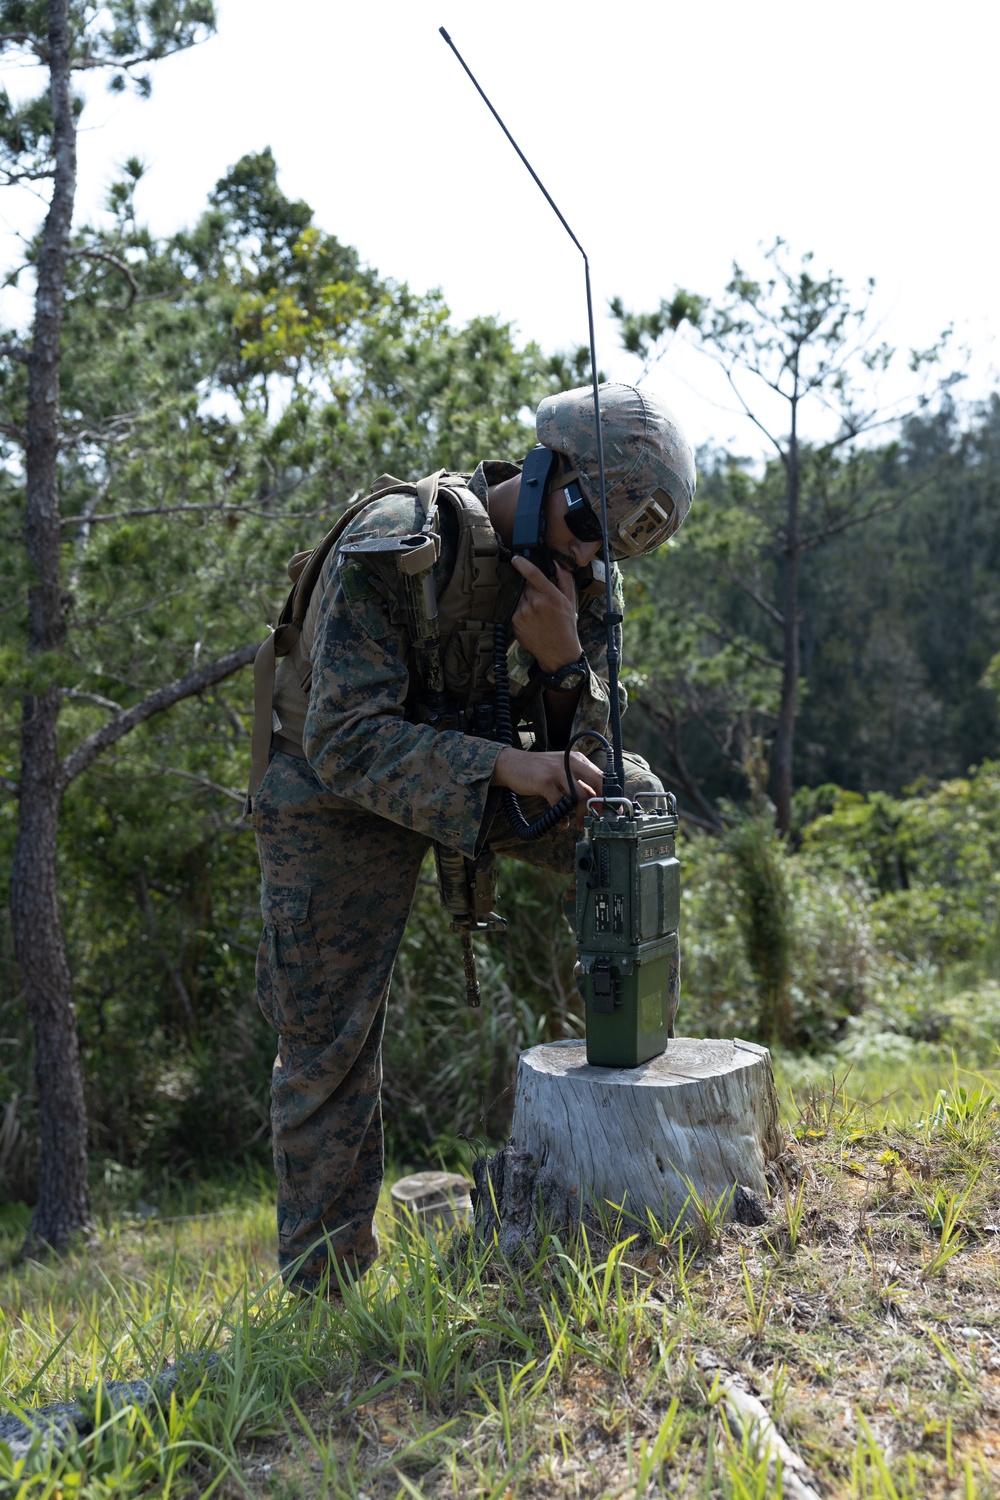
(343, 823)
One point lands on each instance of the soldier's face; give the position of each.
(564, 546)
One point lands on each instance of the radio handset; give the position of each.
(529, 517)
(527, 540)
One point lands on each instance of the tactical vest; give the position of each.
(483, 589)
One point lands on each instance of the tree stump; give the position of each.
(440, 1198)
(700, 1119)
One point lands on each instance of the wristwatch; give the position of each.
(567, 679)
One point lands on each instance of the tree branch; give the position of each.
(120, 265)
(108, 703)
(664, 720)
(859, 428)
(11, 349)
(750, 591)
(689, 817)
(165, 697)
(716, 627)
(172, 510)
(203, 781)
(177, 978)
(128, 614)
(11, 179)
(153, 510)
(111, 430)
(156, 53)
(743, 403)
(836, 527)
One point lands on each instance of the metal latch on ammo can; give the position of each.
(603, 987)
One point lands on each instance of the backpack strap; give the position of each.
(305, 569)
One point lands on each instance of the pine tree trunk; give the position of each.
(784, 740)
(63, 1200)
(63, 1204)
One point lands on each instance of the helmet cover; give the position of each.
(648, 462)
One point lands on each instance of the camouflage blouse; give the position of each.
(357, 736)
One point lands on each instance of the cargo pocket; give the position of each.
(296, 1002)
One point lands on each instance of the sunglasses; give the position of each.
(581, 520)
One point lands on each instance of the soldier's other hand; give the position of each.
(544, 621)
(542, 773)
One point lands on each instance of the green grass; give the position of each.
(900, 1092)
(864, 1315)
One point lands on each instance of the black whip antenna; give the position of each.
(614, 777)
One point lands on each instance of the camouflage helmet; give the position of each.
(648, 463)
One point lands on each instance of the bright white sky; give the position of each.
(673, 137)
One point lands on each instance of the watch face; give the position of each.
(567, 679)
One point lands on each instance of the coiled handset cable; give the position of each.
(562, 809)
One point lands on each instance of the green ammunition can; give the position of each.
(627, 916)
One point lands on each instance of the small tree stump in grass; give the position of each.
(700, 1119)
(441, 1198)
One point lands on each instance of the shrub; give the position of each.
(932, 861)
(815, 939)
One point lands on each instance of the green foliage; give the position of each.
(886, 917)
(25, 131)
(932, 860)
(764, 911)
(642, 332)
(754, 916)
(705, 690)
(768, 542)
(121, 36)
(116, 32)
(991, 677)
(899, 620)
(796, 331)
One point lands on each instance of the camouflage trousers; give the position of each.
(337, 884)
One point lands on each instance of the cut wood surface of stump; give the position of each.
(700, 1120)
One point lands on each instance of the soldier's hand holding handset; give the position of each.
(545, 623)
(541, 773)
(545, 620)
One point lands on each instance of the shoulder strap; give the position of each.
(305, 569)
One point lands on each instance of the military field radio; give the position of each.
(627, 874)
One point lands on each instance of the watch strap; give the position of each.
(555, 680)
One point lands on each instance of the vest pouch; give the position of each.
(467, 660)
